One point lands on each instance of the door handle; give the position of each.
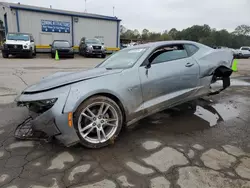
(189, 64)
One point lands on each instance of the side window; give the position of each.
(168, 53)
(83, 40)
(192, 49)
(32, 38)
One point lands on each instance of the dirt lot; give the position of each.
(210, 148)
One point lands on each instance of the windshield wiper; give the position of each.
(108, 68)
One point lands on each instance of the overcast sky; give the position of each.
(160, 15)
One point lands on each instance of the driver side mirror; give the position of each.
(50, 45)
(32, 40)
(148, 65)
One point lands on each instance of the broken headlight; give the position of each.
(40, 106)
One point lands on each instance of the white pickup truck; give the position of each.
(244, 52)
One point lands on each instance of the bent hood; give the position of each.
(65, 78)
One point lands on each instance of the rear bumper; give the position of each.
(16, 51)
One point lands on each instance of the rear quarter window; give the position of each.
(191, 49)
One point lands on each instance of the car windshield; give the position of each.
(93, 41)
(18, 36)
(123, 59)
(61, 44)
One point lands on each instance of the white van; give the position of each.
(19, 44)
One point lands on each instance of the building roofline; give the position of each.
(59, 12)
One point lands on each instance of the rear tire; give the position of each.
(91, 127)
(52, 56)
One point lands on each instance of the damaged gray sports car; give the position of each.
(92, 106)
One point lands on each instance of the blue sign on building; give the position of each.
(55, 26)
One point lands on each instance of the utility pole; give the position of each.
(113, 11)
(85, 6)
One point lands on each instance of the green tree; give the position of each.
(242, 30)
(173, 33)
(136, 34)
(145, 34)
(152, 36)
(200, 33)
(123, 29)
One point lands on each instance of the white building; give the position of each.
(47, 24)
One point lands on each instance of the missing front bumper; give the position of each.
(37, 127)
(25, 131)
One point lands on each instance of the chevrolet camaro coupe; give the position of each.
(92, 106)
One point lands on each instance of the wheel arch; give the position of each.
(111, 96)
(223, 71)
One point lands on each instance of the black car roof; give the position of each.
(61, 41)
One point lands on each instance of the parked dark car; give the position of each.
(63, 48)
(91, 47)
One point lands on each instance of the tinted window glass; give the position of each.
(245, 48)
(170, 54)
(62, 44)
(191, 48)
(92, 41)
(18, 36)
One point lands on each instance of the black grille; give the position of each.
(97, 47)
(15, 46)
(63, 50)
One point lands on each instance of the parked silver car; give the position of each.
(92, 106)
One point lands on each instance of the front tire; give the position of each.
(98, 122)
(103, 55)
(30, 55)
(5, 55)
(34, 53)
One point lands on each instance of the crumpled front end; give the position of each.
(46, 113)
(41, 117)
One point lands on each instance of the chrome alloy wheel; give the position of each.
(98, 122)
